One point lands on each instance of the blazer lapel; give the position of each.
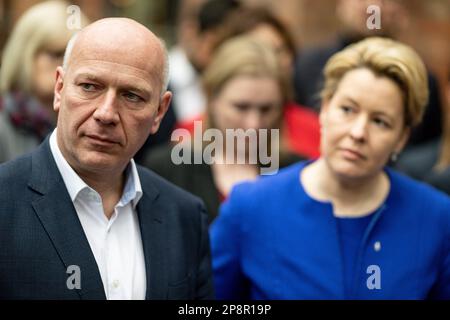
(57, 215)
(154, 241)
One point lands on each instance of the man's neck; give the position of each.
(109, 186)
(104, 183)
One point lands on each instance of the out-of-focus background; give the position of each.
(312, 22)
(193, 29)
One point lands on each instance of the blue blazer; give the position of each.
(41, 236)
(272, 241)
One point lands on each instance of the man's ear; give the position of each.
(164, 103)
(58, 88)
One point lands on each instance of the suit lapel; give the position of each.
(57, 215)
(154, 241)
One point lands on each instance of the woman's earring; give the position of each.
(394, 156)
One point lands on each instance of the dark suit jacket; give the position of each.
(41, 236)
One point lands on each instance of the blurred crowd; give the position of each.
(303, 35)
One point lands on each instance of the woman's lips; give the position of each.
(352, 154)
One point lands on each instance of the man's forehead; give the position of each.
(111, 71)
(117, 60)
(119, 40)
(119, 44)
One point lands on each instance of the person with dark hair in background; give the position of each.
(198, 35)
(352, 14)
(79, 206)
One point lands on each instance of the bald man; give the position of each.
(78, 218)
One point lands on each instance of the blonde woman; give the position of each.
(245, 89)
(27, 76)
(343, 226)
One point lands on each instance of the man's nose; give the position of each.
(106, 113)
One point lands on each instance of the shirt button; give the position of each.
(377, 246)
(115, 284)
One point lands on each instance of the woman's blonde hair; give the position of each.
(242, 55)
(39, 27)
(388, 58)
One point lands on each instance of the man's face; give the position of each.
(106, 108)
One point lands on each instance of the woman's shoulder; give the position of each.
(272, 186)
(417, 193)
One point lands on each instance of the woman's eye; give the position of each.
(346, 109)
(381, 123)
(266, 109)
(56, 54)
(242, 106)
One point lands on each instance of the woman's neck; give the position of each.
(350, 197)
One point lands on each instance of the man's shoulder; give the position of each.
(178, 206)
(14, 179)
(166, 189)
(14, 170)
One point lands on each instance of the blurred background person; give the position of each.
(438, 158)
(344, 226)
(245, 89)
(199, 24)
(301, 124)
(27, 76)
(430, 161)
(352, 15)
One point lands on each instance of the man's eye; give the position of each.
(88, 87)
(132, 97)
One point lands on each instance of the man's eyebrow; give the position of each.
(89, 76)
(136, 88)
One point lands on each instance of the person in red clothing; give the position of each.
(301, 132)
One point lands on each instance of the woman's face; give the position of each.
(247, 102)
(44, 71)
(362, 125)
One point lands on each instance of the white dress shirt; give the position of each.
(116, 243)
